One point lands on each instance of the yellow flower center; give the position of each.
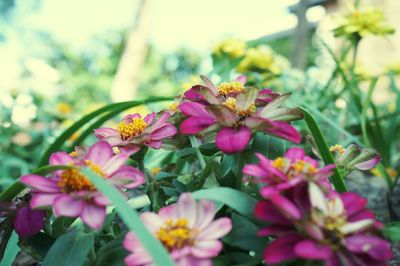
(128, 131)
(332, 230)
(176, 234)
(155, 170)
(231, 104)
(226, 88)
(292, 169)
(73, 180)
(337, 148)
(173, 106)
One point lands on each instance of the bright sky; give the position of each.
(197, 24)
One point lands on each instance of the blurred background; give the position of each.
(61, 59)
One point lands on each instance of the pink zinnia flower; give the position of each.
(71, 194)
(134, 131)
(288, 171)
(187, 231)
(333, 229)
(235, 112)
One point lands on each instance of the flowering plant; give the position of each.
(231, 173)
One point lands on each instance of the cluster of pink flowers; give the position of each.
(234, 112)
(309, 219)
(187, 229)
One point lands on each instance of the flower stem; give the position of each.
(195, 144)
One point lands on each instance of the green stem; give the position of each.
(195, 144)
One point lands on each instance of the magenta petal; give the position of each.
(195, 124)
(368, 164)
(284, 130)
(28, 222)
(309, 249)
(374, 246)
(282, 249)
(193, 109)
(285, 206)
(254, 170)
(93, 215)
(100, 153)
(60, 158)
(294, 154)
(149, 119)
(65, 205)
(163, 132)
(230, 140)
(40, 183)
(265, 210)
(353, 203)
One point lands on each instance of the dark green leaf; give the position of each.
(70, 249)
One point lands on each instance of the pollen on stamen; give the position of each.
(127, 131)
(226, 88)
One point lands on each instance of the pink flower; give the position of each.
(235, 112)
(286, 172)
(187, 231)
(332, 228)
(134, 131)
(71, 194)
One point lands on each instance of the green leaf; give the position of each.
(392, 231)
(57, 144)
(239, 201)
(70, 249)
(323, 148)
(132, 220)
(112, 254)
(11, 250)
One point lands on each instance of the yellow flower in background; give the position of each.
(64, 108)
(231, 47)
(392, 172)
(193, 80)
(363, 21)
(262, 59)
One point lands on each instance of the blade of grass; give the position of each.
(131, 219)
(12, 250)
(323, 148)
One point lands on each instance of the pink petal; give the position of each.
(93, 215)
(128, 177)
(254, 170)
(115, 163)
(309, 249)
(110, 135)
(149, 119)
(368, 164)
(138, 259)
(40, 183)
(282, 249)
(101, 199)
(40, 200)
(65, 205)
(187, 208)
(156, 144)
(205, 213)
(100, 153)
(169, 212)
(152, 221)
(129, 118)
(163, 132)
(241, 79)
(206, 249)
(230, 140)
(284, 130)
(216, 229)
(60, 158)
(195, 124)
(162, 120)
(294, 154)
